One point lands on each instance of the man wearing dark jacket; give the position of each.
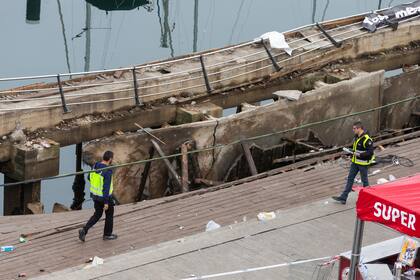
(362, 157)
(101, 192)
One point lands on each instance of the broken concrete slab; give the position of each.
(31, 160)
(362, 92)
(36, 207)
(197, 112)
(291, 95)
(59, 208)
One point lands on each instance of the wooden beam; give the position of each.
(184, 160)
(249, 159)
(172, 172)
(145, 174)
(301, 143)
(207, 183)
(307, 155)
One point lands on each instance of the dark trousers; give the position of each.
(109, 217)
(354, 169)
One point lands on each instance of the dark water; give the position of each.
(57, 36)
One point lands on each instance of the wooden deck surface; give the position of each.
(53, 244)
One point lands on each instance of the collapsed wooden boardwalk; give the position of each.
(242, 246)
(53, 243)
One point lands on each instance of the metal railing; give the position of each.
(203, 73)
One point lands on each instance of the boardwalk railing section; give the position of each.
(201, 77)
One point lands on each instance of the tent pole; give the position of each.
(357, 246)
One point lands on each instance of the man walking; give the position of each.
(101, 193)
(362, 157)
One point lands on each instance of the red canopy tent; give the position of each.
(395, 204)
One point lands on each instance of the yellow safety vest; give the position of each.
(361, 161)
(97, 184)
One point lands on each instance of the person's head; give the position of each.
(358, 128)
(107, 157)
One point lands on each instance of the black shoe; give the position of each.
(110, 237)
(339, 199)
(82, 235)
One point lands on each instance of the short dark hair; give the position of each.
(108, 155)
(358, 124)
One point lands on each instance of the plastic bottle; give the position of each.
(7, 248)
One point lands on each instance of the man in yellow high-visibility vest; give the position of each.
(101, 192)
(362, 156)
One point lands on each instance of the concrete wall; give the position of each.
(331, 100)
(397, 88)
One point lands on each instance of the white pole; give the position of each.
(357, 246)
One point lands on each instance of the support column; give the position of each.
(35, 159)
(79, 181)
(17, 197)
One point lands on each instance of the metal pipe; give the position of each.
(357, 246)
(206, 78)
(135, 87)
(63, 100)
(270, 56)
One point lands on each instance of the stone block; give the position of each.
(31, 160)
(58, 208)
(195, 113)
(292, 95)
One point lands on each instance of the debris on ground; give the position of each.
(95, 262)
(59, 208)
(376, 171)
(212, 225)
(7, 248)
(392, 178)
(18, 136)
(381, 181)
(266, 216)
(22, 239)
(22, 274)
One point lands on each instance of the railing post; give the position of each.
(63, 100)
(331, 39)
(206, 78)
(273, 61)
(136, 93)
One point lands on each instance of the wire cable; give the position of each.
(236, 142)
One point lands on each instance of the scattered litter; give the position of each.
(95, 262)
(45, 144)
(381, 181)
(172, 100)
(244, 219)
(89, 260)
(326, 202)
(181, 227)
(277, 41)
(22, 274)
(212, 225)
(266, 216)
(7, 248)
(357, 181)
(42, 270)
(22, 239)
(376, 171)
(392, 177)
